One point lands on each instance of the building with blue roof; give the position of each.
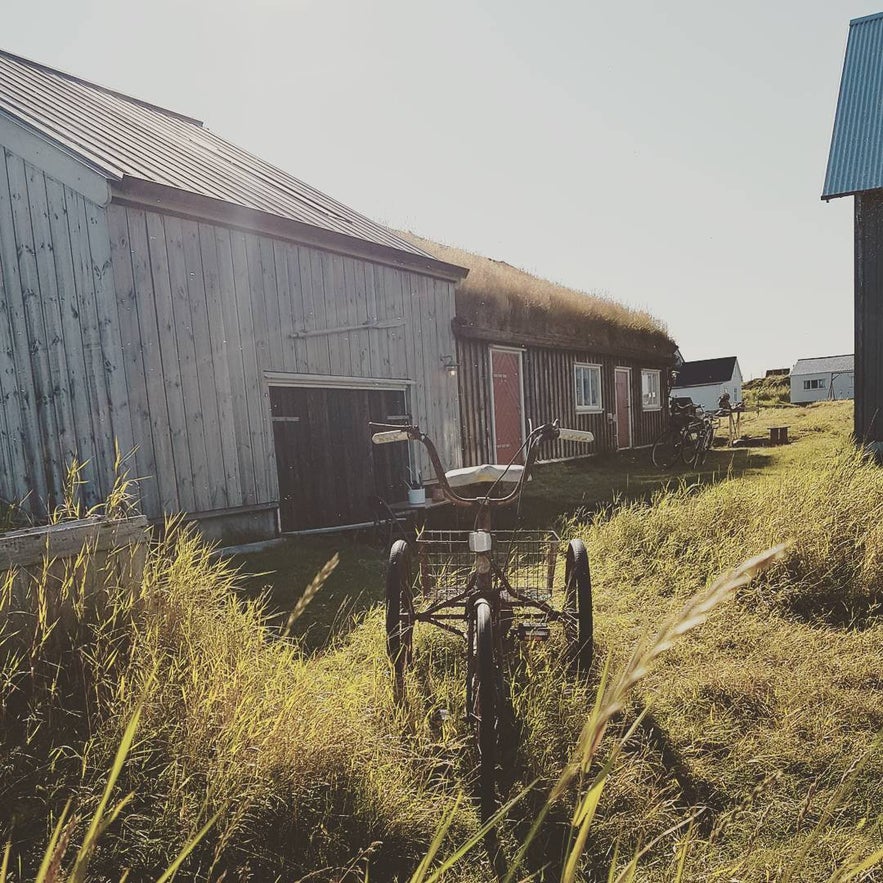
(855, 168)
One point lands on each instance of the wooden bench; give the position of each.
(778, 435)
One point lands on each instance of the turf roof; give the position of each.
(497, 301)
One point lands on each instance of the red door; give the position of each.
(623, 408)
(508, 405)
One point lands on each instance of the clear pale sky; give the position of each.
(668, 154)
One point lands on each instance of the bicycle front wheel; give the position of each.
(666, 448)
(484, 707)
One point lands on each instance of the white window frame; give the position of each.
(650, 372)
(587, 409)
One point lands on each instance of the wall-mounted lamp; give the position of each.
(449, 365)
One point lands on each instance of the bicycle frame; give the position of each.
(480, 583)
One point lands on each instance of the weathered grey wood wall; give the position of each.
(549, 393)
(206, 310)
(62, 385)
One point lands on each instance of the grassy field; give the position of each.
(767, 392)
(761, 725)
(560, 493)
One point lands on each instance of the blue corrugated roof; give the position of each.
(855, 162)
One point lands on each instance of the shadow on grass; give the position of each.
(557, 491)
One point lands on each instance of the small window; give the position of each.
(806, 384)
(650, 395)
(822, 383)
(587, 382)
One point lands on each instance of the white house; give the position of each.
(706, 380)
(828, 377)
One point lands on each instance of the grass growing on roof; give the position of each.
(500, 297)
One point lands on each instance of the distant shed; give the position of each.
(530, 350)
(823, 378)
(165, 291)
(855, 168)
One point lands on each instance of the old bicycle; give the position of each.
(688, 437)
(489, 587)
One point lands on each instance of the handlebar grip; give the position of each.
(575, 435)
(395, 435)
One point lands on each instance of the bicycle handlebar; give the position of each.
(547, 432)
(384, 438)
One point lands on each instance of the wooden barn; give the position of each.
(529, 350)
(165, 292)
(855, 168)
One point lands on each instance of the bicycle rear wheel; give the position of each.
(690, 444)
(666, 448)
(706, 442)
(399, 610)
(484, 707)
(578, 605)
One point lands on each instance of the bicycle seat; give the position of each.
(487, 472)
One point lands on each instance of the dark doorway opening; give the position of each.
(329, 471)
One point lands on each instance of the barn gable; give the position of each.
(163, 289)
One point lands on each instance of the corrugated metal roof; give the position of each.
(122, 137)
(855, 161)
(824, 364)
(705, 371)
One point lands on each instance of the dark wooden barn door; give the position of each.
(508, 402)
(329, 471)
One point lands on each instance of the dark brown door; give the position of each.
(623, 408)
(329, 471)
(508, 404)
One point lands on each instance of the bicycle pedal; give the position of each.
(533, 632)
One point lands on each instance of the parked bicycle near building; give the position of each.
(688, 437)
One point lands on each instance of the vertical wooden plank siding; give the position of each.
(155, 404)
(236, 366)
(48, 475)
(62, 375)
(128, 327)
(109, 329)
(59, 386)
(28, 479)
(221, 389)
(206, 346)
(90, 318)
(549, 392)
(133, 357)
(230, 306)
(75, 361)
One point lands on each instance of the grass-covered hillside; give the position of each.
(753, 754)
(767, 392)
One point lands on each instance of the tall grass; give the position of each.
(745, 751)
(767, 392)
